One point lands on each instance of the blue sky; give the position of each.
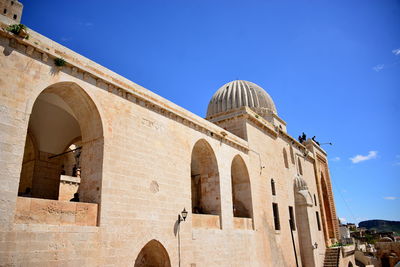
(332, 68)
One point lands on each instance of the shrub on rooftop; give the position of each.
(18, 29)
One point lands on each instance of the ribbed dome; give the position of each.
(241, 93)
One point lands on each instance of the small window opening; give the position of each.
(300, 168)
(273, 187)
(285, 158)
(318, 222)
(5, 11)
(276, 216)
(12, 3)
(291, 218)
(315, 200)
(15, 16)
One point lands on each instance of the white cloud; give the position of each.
(396, 52)
(390, 198)
(335, 159)
(360, 158)
(378, 67)
(342, 220)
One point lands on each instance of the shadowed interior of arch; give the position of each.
(63, 123)
(153, 254)
(241, 192)
(205, 180)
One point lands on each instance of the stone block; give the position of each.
(22, 210)
(206, 221)
(68, 212)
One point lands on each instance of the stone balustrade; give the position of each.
(47, 211)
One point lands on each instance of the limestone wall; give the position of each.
(137, 152)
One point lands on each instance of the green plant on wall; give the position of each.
(60, 62)
(18, 29)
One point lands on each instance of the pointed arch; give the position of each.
(153, 254)
(241, 189)
(205, 182)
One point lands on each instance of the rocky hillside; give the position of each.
(381, 225)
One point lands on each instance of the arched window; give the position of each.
(291, 154)
(205, 180)
(241, 192)
(273, 187)
(285, 158)
(299, 166)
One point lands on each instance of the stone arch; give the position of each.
(205, 182)
(241, 189)
(327, 208)
(350, 264)
(285, 158)
(153, 254)
(60, 113)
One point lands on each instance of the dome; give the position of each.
(241, 93)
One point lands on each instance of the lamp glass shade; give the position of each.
(184, 214)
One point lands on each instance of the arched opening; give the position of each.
(241, 192)
(350, 264)
(291, 155)
(299, 166)
(327, 208)
(64, 142)
(153, 254)
(205, 180)
(285, 158)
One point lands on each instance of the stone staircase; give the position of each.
(332, 257)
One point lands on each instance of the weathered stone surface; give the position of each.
(140, 156)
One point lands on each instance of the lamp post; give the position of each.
(182, 216)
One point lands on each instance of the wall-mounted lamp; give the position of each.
(182, 216)
(315, 246)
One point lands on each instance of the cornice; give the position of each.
(103, 78)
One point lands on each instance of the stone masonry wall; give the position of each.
(145, 179)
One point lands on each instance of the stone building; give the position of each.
(255, 196)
